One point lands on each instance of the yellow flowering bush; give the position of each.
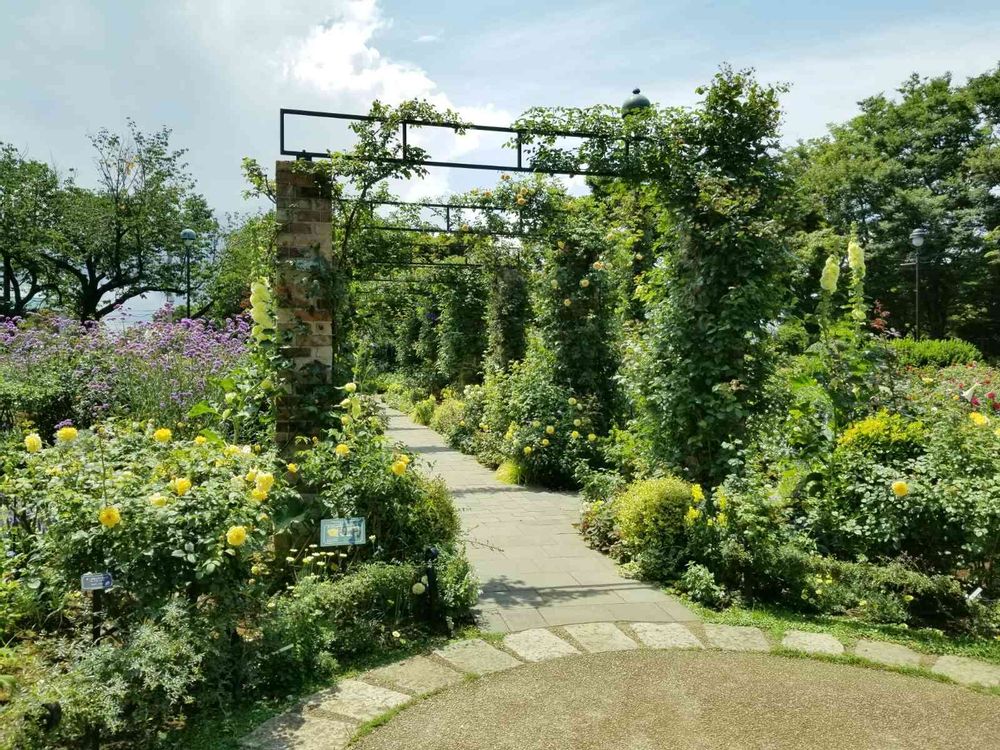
(66, 434)
(168, 503)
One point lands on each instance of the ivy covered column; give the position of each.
(304, 323)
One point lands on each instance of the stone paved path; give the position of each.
(534, 569)
(662, 685)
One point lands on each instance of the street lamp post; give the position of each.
(917, 237)
(188, 236)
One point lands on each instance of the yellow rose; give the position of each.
(236, 536)
(157, 500)
(527, 450)
(180, 485)
(292, 468)
(398, 468)
(545, 442)
(265, 481)
(32, 443)
(900, 488)
(258, 494)
(591, 437)
(584, 283)
(572, 401)
(577, 422)
(536, 423)
(567, 302)
(200, 440)
(550, 430)
(162, 435)
(251, 475)
(405, 459)
(351, 387)
(342, 450)
(575, 435)
(66, 434)
(109, 517)
(979, 419)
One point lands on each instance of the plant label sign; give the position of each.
(341, 532)
(96, 581)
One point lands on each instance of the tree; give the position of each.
(247, 253)
(28, 191)
(929, 159)
(122, 240)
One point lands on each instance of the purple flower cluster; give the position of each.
(156, 369)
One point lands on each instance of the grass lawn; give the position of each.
(775, 621)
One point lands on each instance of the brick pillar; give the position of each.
(304, 214)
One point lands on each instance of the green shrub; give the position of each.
(125, 692)
(935, 352)
(43, 402)
(423, 411)
(650, 515)
(449, 417)
(510, 472)
(935, 502)
(698, 582)
(537, 424)
(404, 512)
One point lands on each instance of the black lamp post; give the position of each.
(917, 237)
(635, 103)
(189, 236)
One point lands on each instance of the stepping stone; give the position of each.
(418, 675)
(476, 657)
(600, 636)
(736, 638)
(968, 671)
(812, 643)
(355, 699)
(665, 635)
(891, 654)
(538, 645)
(294, 730)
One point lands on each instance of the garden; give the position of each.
(722, 356)
(715, 346)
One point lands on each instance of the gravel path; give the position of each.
(641, 700)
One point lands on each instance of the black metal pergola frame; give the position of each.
(405, 124)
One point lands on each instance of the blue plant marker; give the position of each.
(96, 581)
(342, 532)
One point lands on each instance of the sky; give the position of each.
(216, 72)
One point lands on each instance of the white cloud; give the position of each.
(339, 57)
(427, 38)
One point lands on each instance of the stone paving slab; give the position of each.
(538, 645)
(891, 654)
(600, 636)
(418, 675)
(526, 551)
(665, 635)
(476, 657)
(736, 638)
(968, 671)
(812, 643)
(297, 731)
(354, 699)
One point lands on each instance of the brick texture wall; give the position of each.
(304, 249)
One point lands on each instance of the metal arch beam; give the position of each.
(456, 127)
